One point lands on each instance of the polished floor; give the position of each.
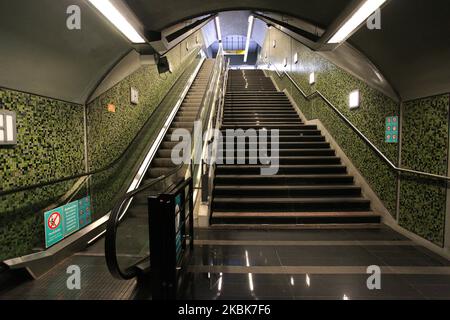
(267, 264)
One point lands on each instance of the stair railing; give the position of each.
(214, 141)
(177, 174)
(366, 140)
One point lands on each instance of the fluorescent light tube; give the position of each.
(249, 35)
(219, 32)
(356, 19)
(117, 19)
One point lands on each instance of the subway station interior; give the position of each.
(224, 150)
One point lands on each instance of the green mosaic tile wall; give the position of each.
(424, 144)
(107, 186)
(109, 134)
(50, 146)
(425, 134)
(336, 85)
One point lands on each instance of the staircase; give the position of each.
(311, 187)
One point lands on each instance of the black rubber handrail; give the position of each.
(108, 166)
(113, 223)
(117, 213)
(356, 130)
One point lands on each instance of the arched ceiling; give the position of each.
(412, 49)
(157, 15)
(38, 54)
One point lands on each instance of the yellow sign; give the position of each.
(236, 52)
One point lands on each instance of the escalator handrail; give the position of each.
(218, 124)
(108, 166)
(356, 130)
(114, 221)
(117, 215)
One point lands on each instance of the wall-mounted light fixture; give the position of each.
(196, 40)
(361, 15)
(117, 19)
(285, 62)
(312, 78)
(218, 30)
(354, 99)
(134, 95)
(296, 58)
(274, 43)
(187, 45)
(8, 130)
(249, 35)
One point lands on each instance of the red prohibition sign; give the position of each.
(54, 220)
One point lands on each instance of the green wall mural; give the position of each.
(425, 133)
(424, 144)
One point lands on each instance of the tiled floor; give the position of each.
(268, 264)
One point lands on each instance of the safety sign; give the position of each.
(392, 130)
(54, 231)
(63, 221)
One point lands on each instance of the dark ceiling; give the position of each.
(412, 49)
(156, 14)
(38, 54)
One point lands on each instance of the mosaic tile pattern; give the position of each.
(424, 148)
(50, 146)
(50, 140)
(425, 136)
(369, 118)
(109, 134)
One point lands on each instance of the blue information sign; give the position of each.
(54, 226)
(391, 130)
(84, 209)
(63, 221)
(71, 221)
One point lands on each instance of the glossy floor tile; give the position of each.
(265, 265)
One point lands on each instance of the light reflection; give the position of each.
(250, 276)
(292, 281)
(250, 282)
(220, 282)
(308, 281)
(345, 297)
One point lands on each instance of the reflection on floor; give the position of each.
(313, 264)
(268, 264)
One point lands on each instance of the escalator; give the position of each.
(130, 240)
(146, 164)
(127, 240)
